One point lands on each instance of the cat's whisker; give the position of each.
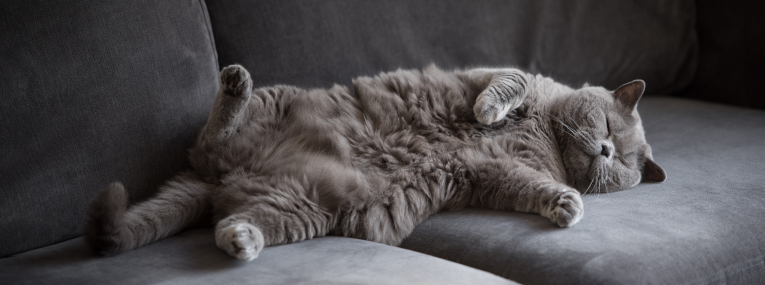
(602, 176)
(569, 132)
(568, 129)
(575, 123)
(585, 137)
(571, 119)
(588, 186)
(575, 133)
(606, 177)
(596, 189)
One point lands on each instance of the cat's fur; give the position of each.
(281, 164)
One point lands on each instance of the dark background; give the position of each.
(731, 53)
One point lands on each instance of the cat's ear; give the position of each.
(629, 94)
(652, 172)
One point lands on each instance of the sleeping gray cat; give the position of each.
(281, 164)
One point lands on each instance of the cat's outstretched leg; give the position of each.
(245, 234)
(561, 204)
(503, 91)
(233, 96)
(511, 186)
(259, 211)
(111, 228)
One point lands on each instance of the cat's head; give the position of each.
(602, 140)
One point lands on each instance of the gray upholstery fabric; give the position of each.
(192, 258)
(704, 225)
(730, 53)
(318, 43)
(94, 92)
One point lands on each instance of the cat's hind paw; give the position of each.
(235, 81)
(568, 208)
(105, 229)
(243, 241)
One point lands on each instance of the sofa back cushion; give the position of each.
(318, 43)
(95, 92)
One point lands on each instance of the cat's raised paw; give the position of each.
(235, 81)
(568, 209)
(243, 241)
(492, 105)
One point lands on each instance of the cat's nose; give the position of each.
(607, 150)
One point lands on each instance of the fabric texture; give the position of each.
(319, 43)
(94, 93)
(192, 258)
(701, 226)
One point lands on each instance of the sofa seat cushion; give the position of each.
(704, 225)
(192, 258)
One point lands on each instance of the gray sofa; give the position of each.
(116, 90)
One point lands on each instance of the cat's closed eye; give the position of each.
(608, 128)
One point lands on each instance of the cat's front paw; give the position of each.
(568, 208)
(235, 81)
(243, 241)
(494, 103)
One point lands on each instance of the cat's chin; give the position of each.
(600, 170)
(605, 175)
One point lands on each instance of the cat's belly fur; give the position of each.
(371, 178)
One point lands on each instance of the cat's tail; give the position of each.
(111, 228)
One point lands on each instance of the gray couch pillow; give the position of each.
(318, 43)
(92, 93)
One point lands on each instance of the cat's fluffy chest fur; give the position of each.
(282, 164)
